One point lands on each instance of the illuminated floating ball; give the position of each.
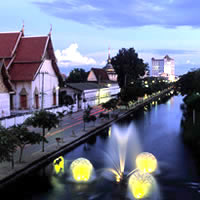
(81, 170)
(58, 164)
(141, 184)
(146, 162)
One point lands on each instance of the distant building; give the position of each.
(90, 93)
(98, 75)
(107, 73)
(163, 67)
(109, 69)
(100, 87)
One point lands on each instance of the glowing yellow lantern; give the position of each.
(59, 165)
(140, 184)
(146, 162)
(109, 132)
(81, 170)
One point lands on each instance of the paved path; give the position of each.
(69, 129)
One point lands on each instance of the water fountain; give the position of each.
(125, 164)
(81, 170)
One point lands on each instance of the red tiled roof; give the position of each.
(31, 49)
(28, 55)
(100, 74)
(6, 78)
(7, 43)
(23, 71)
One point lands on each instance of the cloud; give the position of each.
(72, 57)
(127, 13)
(164, 52)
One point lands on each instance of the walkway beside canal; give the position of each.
(71, 134)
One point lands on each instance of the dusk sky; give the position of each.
(82, 30)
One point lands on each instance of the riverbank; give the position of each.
(72, 137)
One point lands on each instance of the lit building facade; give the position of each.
(163, 67)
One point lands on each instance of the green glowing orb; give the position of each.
(59, 165)
(81, 170)
(146, 162)
(140, 184)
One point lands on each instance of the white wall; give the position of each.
(16, 98)
(20, 119)
(96, 96)
(4, 104)
(50, 82)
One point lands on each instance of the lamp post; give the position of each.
(193, 116)
(43, 73)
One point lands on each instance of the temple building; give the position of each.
(100, 87)
(32, 69)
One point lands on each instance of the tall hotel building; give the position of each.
(163, 67)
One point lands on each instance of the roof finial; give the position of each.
(22, 27)
(109, 60)
(50, 30)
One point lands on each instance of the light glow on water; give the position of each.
(140, 184)
(123, 146)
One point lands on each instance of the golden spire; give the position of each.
(109, 60)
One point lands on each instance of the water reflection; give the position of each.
(160, 135)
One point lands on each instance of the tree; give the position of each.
(86, 116)
(93, 118)
(77, 75)
(128, 66)
(65, 99)
(45, 120)
(24, 137)
(8, 145)
(110, 105)
(189, 83)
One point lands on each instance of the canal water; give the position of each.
(155, 129)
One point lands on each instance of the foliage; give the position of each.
(189, 83)
(192, 101)
(24, 137)
(110, 105)
(61, 114)
(65, 99)
(141, 87)
(77, 75)
(8, 145)
(128, 66)
(45, 120)
(104, 115)
(131, 93)
(86, 116)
